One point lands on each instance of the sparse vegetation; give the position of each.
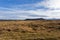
(30, 30)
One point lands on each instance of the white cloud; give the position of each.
(53, 3)
(54, 8)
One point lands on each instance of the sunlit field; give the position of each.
(30, 30)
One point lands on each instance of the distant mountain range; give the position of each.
(36, 19)
(29, 19)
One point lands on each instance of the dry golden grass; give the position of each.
(30, 30)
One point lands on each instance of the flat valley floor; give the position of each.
(30, 30)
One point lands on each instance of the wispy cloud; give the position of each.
(45, 9)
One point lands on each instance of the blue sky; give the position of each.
(22, 9)
(8, 3)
